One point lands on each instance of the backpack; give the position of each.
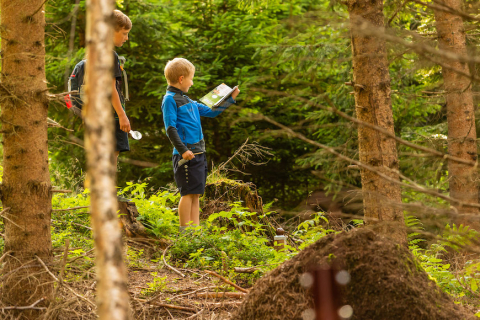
(76, 82)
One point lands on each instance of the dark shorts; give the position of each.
(191, 177)
(121, 137)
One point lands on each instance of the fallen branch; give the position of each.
(169, 266)
(226, 281)
(69, 209)
(223, 304)
(171, 306)
(195, 291)
(215, 295)
(61, 191)
(245, 270)
(32, 306)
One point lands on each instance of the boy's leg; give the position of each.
(195, 210)
(185, 209)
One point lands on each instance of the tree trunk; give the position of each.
(462, 134)
(112, 295)
(26, 188)
(381, 199)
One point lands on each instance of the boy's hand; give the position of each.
(235, 93)
(188, 155)
(124, 124)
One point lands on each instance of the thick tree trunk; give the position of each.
(381, 199)
(26, 188)
(112, 295)
(462, 134)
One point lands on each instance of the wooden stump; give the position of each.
(128, 220)
(221, 194)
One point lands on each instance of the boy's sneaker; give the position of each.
(122, 199)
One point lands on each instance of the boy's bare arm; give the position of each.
(117, 105)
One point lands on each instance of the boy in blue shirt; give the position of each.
(181, 116)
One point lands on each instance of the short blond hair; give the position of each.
(121, 21)
(176, 68)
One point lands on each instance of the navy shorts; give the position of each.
(191, 176)
(121, 137)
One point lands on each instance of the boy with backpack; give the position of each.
(181, 116)
(122, 26)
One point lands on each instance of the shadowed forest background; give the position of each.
(301, 48)
(293, 136)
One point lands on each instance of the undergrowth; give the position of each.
(237, 238)
(455, 272)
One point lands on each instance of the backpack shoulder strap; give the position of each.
(122, 61)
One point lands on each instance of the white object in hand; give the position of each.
(135, 135)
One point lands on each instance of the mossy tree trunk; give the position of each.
(112, 295)
(371, 79)
(26, 188)
(460, 110)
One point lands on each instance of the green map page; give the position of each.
(213, 97)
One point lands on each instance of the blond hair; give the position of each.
(121, 21)
(176, 68)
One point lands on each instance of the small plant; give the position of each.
(133, 257)
(158, 284)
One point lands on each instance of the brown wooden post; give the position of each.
(112, 295)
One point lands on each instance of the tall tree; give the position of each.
(112, 295)
(26, 190)
(371, 81)
(462, 136)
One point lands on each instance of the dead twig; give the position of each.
(195, 315)
(226, 281)
(215, 295)
(171, 306)
(77, 224)
(5, 255)
(69, 209)
(245, 270)
(222, 304)
(62, 270)
(195, 291)
(32, 306)
(2, 214)
(66, 286)
(169, 266)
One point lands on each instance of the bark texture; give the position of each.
(460, 111)
(371, 80)
(112, 295)
(128, 214)
(26, 188)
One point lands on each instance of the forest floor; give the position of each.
(175, 291)
(156, 291)
(179, 276)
